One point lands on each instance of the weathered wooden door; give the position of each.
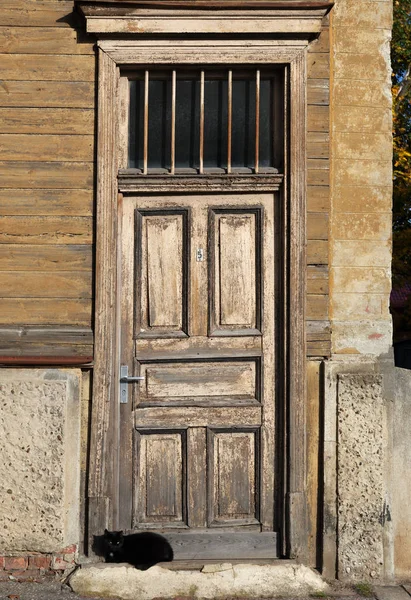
(197, 323)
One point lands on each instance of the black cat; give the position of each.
(142, 550)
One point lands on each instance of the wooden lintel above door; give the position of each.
(199, 17)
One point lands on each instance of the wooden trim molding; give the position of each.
(117, 5)
(101, 467)
(46, 345)
(296, 384)
(268, 17)
(129, 182)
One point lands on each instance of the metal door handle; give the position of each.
(124, 380)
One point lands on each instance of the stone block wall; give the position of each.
(40, 467)
(361, 146)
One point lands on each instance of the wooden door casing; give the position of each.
(197, 322)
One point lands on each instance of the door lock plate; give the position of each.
(124, 381)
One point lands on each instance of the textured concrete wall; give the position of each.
(40, 466)
(360, 475)
(361, 177)
(398, 386)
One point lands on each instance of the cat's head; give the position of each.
(114, 539)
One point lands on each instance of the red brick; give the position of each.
(1, 562)
(15, 563)
(69, 549)
(59, 564)
(40, 561)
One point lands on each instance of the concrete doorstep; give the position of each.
(212, 581)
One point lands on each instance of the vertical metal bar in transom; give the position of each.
(173, 121)
(229, 118)
(145, 159)
(202, 122)
(257, 120)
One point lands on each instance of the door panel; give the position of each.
(235, 281)
(233, 479)
(197, 323)
(160, 463)
(161, 273)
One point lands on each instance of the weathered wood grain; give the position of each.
(45, 354)
(46, 202)
(313, 454)
(159, 484)
(26, 13)
(318, 176)
(14, 257)
(46, 230)
(318, 145)
(32, 67)
(232, 471)
(317, 306)
(223, 546)
(47, 148)
(47, 120)
(322, 43)
(52, 175)
(204, 347)
(198, 381)
(319, 348)
(317, 252)
(318, 91)
(317, 226)
(197, 477)
(234, 271)
(318, 118)
(64, 94)
(318, 65)
(36, 311)
(318, 330)
(317, 279)
(227, 416)
(318, 198)
(36, 334)
(162, 272)
(43, 284)
(42, 40)
(46, 342)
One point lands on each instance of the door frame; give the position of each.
(103, 483)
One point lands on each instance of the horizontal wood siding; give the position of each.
(318, 195)
(47, 125)
(47, 149)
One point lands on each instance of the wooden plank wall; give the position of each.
(47, 91)
(318, 195)
(47, 125)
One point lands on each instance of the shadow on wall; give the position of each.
(402, 354)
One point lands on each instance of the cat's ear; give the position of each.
(105, 532)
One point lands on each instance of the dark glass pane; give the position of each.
(215, 123)
(266, 123)
(243, 126)
(187, 152)
(159, 124)
(136, 125)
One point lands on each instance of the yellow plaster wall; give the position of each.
(361, 147)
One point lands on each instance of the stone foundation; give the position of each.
(40, 467)
(360, 495)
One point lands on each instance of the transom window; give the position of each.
(206, 121)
